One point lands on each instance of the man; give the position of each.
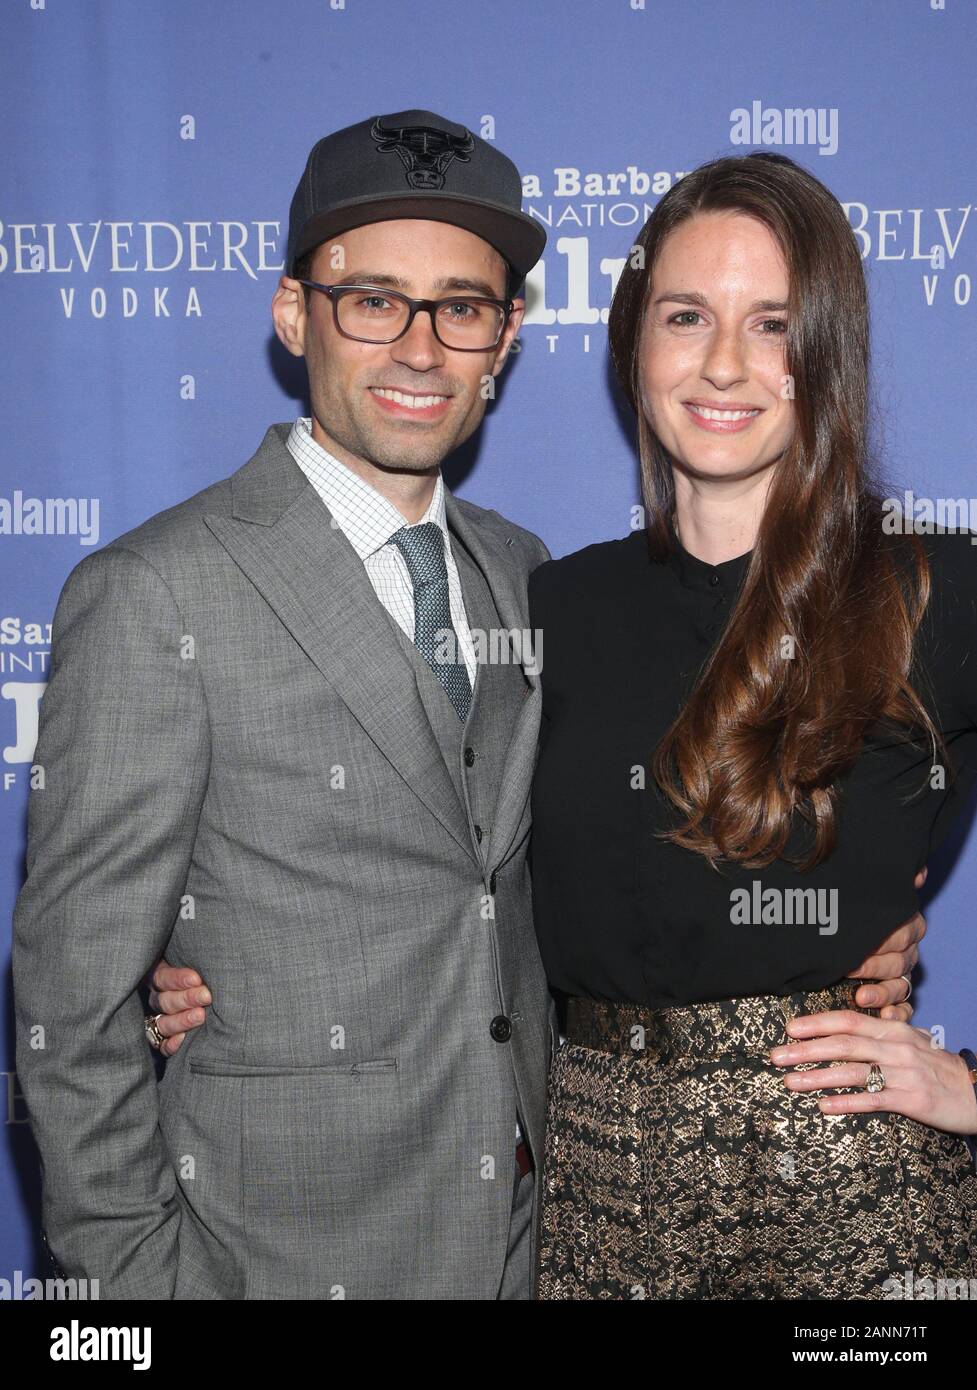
(261, 755)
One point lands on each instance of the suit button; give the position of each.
(469, 757)
(492, 882)
(500, 1028)
(478, 833)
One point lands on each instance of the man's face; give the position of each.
(424, 260)
(712, 360)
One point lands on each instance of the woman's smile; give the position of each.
(721, 421)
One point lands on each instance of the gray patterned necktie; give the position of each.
(423, 550)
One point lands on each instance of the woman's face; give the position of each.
(712, 346)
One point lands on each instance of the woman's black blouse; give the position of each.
(624, 915)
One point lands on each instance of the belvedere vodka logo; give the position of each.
(86, 257)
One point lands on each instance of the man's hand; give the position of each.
(894, 959)
(921, 1081)
(174, 997)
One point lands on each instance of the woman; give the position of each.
(753, 712)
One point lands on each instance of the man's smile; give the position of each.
(407, 404)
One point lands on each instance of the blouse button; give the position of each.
(714, 579)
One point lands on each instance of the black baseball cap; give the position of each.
(412, 164)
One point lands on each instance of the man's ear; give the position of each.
(289, 315)
(511, 329)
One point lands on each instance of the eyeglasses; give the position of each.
(369, 314)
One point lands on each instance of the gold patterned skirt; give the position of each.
(678, 1165)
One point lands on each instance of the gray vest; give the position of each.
(475, 752)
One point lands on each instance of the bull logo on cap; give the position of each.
(424, 152)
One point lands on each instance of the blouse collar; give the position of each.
(703, 578)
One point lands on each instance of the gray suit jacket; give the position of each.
(240, 770)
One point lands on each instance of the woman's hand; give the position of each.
(922, 1080)
(175, 996)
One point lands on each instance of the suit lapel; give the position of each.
(283, 537)
(487, 547)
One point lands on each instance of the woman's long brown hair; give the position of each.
(763, 735)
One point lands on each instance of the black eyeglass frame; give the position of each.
(336, 292)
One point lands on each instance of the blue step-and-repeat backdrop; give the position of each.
(151, 148)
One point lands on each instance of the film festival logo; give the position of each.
(25, 653)
(25, 646)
